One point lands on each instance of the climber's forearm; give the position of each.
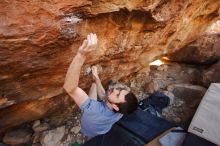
(73, 73)
(100, 89)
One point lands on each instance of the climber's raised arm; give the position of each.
(73, 73)
(100, 89)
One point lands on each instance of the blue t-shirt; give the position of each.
(97, 118)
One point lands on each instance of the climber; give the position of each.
(97, 116)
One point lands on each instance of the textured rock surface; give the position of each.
(18, 137)
(191, 94)
(53, 137)
(29, 111)
(204, 50)
(187, 99)
(211, 75)
(38, 40)
(179, 82)
(151, 87)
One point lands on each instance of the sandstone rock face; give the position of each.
(186, 100)
(17, 137)
(211, 75)
(28, 111)
(192, 94)
(41, 127)
(38, 40)
(204, 50)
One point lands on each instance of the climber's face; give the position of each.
(116, 95)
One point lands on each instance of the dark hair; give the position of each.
(130, 104)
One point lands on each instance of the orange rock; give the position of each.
(39, 39)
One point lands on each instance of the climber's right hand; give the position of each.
(95, 72)
(89, 44)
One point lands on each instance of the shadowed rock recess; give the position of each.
(39, 38)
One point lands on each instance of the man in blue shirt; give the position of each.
(97, 116)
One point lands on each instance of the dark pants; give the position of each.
(133, 130)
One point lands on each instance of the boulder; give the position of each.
(175, 73)
(53, 137)
(211, 75)
(36, 123)
(41, 127)
(17, 137)
(186, 100)
(151, 87)
(75, 129)
(204, 50)
(191, 94)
